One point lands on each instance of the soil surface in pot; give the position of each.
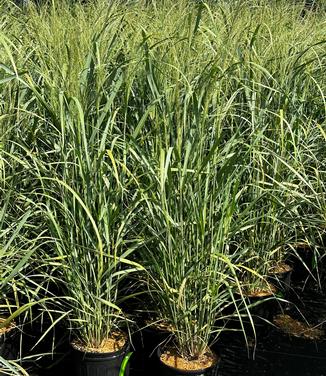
(115, 343)
(281, 268)
(261, 292)
(159, 325)
(171, 358)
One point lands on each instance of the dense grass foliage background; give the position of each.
(179, 141)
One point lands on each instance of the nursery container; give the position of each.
(146, 342)
(262, 309)
(302, 262)
(263, 306)
(166, 370)
(100, 364)
(8, 343)
(153, 337)
(262, 303)
(281, 278)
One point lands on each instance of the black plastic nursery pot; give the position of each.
(153, 337)
(263, 307)
(166, 370)
(302, 262)
(100, 364)
(8, 343)
(146, 342)
(262, 310)
(281, 279)
(262, 303)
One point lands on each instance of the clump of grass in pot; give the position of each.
(90, 222)
(191, 221)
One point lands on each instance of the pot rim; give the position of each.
(113, 354)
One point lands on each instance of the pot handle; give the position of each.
(124, 364)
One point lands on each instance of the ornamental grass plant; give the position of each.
(91, 200)
(188, 259)
(84, 186)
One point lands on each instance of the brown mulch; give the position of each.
(115, 343)
(173, 359)
(280, 268)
